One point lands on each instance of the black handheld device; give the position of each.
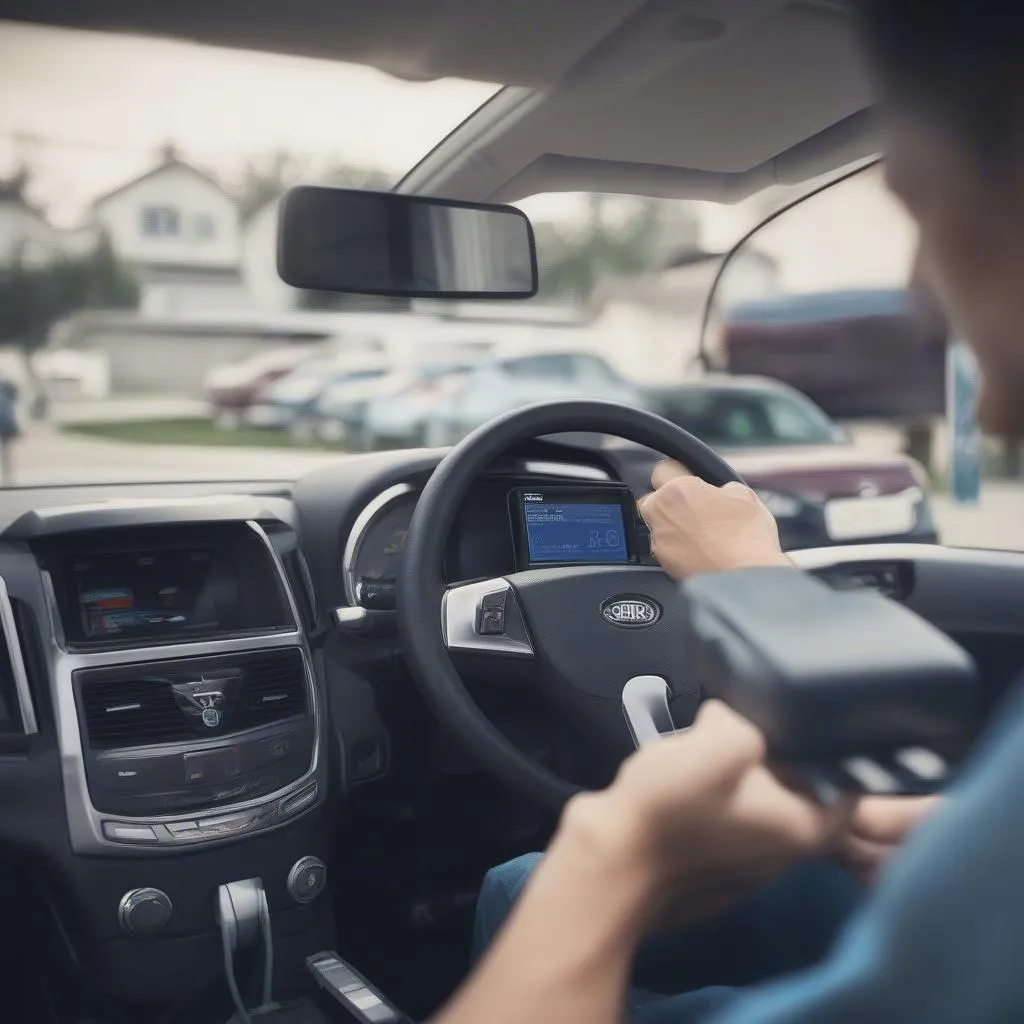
(850, 685)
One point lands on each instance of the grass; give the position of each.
(187, 432)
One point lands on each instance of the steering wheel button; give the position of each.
(490, 618)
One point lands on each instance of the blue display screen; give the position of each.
(572, 532)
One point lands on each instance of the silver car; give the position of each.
(442, 410)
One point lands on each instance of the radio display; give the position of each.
(574, 526)
(148, 593)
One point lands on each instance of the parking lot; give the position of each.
(47, 456)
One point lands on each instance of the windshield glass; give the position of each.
(146, 335)
(734, 418)
(142, 321)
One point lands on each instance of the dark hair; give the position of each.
(958, 63)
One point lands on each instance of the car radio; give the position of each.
(574, 525)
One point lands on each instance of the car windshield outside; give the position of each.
(146, 335)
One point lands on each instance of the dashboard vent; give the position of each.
(190, 698)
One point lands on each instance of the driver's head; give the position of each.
(951, 74)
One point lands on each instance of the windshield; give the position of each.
(146, 335)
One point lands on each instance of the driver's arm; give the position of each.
(690, 824)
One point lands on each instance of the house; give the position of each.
(178, 232)
(259, 260)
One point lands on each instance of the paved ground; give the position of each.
(997, 521)
(44, 456)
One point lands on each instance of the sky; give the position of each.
(88, 110)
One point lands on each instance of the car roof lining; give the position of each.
(705, 99)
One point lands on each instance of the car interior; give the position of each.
(261, 740)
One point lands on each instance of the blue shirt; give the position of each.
(942, 941)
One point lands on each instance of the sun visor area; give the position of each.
(857, 137)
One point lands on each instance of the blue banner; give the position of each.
(965, 441)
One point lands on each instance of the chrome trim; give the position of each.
(29, 722)
(85, 822)
(362, 524)
(812, 559)
(645, 705)
(458, 620)
(282, 573)
(352, 620)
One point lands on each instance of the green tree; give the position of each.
(34, 295)
(573, 262)
(266, 178)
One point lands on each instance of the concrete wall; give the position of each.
(155, 359)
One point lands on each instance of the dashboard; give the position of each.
(194, 677)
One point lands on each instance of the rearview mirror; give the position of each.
(382, 243)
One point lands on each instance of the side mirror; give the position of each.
(382, 243)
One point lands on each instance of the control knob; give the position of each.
(144, 911)
(307, 879)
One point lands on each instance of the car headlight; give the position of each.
(782, 506)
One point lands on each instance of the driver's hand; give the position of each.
(697, 527)
(879, 827)
(704, 819)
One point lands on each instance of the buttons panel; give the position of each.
(220, 826)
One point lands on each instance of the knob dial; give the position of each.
(144, 911)
(307, 879)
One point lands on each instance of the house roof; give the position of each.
(170, 161)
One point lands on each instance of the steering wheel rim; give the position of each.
(421, 587)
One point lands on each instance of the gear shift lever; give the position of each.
(244, 918)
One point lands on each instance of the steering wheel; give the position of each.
(551, 617)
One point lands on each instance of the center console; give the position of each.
(185, 704)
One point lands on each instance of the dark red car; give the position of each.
(232, 388)
(820, 487)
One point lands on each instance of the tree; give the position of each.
(265, 179)
(574, 262)
(34, 295)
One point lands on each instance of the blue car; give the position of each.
(292, 400)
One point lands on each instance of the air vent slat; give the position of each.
(172, 701)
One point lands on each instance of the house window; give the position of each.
(203, 226)
(159, 221)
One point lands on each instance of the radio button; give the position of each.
(296, 803)
(124, 832)
(227, 823)
(181, 827)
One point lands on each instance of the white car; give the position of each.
(363, 416)
(439, 410)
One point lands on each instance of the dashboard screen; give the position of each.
(145, 593)
(571, 528)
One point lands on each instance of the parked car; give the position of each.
(231, 389)
(291, 400)
(343, 412)
(820, 487)
(446, 408)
